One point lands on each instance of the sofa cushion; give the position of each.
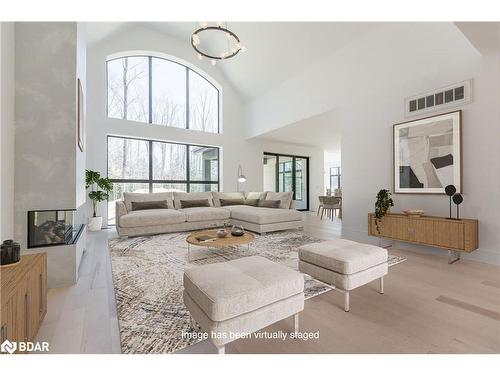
(205, 213)
(146, 218)
(217, 196)
(137, 206)
(269, 203)
(194, 203)
(231, 202)
(285, 198)
(256, 195)
(343, 256)
(178, 196)
(128, 198)
(252, 202)
(226, 290)
(261, 215)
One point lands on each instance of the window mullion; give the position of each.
(187, 99)
(188, 185)
(150, 92)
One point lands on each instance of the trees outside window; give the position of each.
(144, 166)
(162, 92)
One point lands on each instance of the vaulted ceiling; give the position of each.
(275, 51)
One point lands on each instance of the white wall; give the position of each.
(6, 130)
(235, 149)
(365, 84)
(367, 155)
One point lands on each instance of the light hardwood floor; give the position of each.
(428, 307)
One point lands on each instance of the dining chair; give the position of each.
(331, 205)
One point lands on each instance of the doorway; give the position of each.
(284, 173)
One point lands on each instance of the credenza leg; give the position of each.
(453, 256)
(381, 285)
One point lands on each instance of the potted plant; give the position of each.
(382, 206)
(99, 191)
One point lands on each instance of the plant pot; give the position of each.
(95, 223)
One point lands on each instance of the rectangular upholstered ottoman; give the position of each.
(345, 264)
(242, 296)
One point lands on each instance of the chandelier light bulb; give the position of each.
(214, 62)
(219, 24)
(196, 39)
(238, 45)
(243, 48)
(200, 56)
(204, 24)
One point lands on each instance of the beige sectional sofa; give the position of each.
(175, 218)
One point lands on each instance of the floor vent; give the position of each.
(449, 96)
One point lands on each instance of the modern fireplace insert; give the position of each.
(52, 228)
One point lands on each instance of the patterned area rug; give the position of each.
(147, 275)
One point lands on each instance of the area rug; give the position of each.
(147, 275)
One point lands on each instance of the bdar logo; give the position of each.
(8, 347)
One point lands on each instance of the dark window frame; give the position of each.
(150, 181)
(337, 176)
(294, 175)
(150, 91)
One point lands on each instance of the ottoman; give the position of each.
(234, 299)
(345, 264)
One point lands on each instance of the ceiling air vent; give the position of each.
(449, 96)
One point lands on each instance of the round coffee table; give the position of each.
(218, 243)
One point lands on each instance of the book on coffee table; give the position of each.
(206, 238)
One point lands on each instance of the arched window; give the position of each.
(158, 90)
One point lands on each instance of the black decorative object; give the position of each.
(450, 190)
(10, 252)
(457, 199)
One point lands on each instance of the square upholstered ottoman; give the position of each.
(345, 264)
(231, 299)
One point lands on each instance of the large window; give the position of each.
(335, 174)
(144, 166)
(288, 173)
(162, 92)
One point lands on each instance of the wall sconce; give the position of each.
(241, 177)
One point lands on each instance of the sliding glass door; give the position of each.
(288, 173)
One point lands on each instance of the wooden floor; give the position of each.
(428, 307)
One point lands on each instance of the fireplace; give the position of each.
(52, 228)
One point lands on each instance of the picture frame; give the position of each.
(427, 154)
(80, 118)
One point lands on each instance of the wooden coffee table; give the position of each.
(218, 243)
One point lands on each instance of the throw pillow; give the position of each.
(269, 203)
(195, 203)
(151, 205)
(251, 202)
(231, 202)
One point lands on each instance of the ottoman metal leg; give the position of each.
(221, 349)
(381, 287)
(296, 323)
(346, 301)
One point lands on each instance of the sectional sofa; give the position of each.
(182, 212)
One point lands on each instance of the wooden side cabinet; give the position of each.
(454, 235)
(23, 302)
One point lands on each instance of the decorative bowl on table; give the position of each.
(237, 231)
(414, 212)
(222, 233)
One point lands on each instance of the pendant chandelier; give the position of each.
(204, 31)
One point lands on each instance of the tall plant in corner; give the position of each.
(99, 191)
(382, 206)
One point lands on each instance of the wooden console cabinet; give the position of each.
(23, 298)
(454, 235)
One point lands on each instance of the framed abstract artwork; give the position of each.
(427, 154)
(80, 120)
